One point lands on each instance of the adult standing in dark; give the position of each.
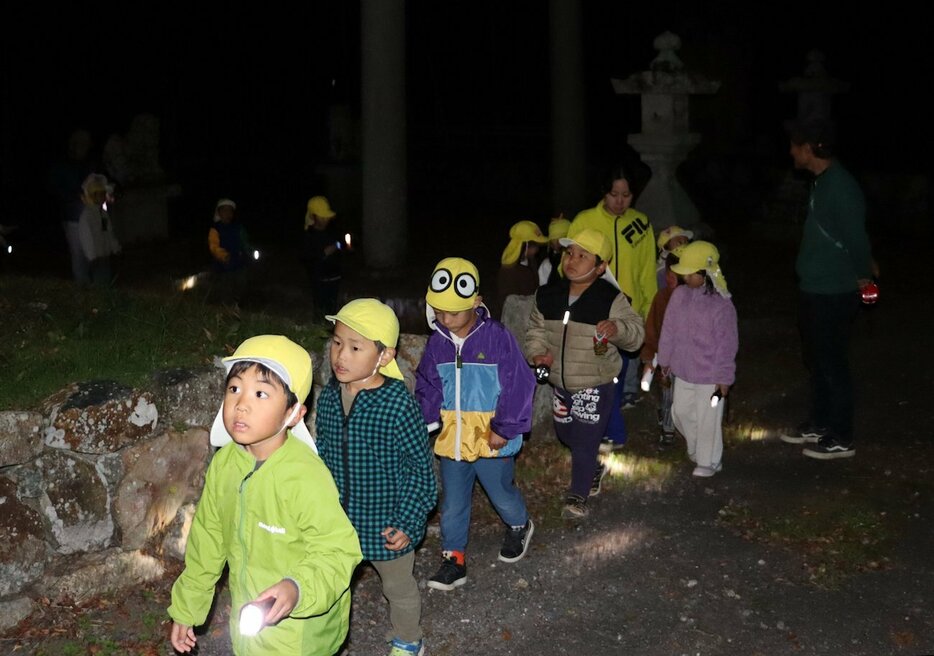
(834, 263)
(65, 179)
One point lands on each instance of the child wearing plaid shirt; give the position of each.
(371, 436)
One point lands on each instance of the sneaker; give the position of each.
(608, 446)
(828, 448)
(450, 575)
(575, 507)
(403, 648)
(516, 542)
(666, 440)
(630, 400)
(597, 482)
(706, 472)
(804, 433)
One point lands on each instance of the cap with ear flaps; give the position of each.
(702, 256)
(373, 320)
(520, 233)
(288, 361)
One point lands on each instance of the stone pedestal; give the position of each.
(141, 214)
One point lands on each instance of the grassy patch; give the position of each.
(838, 538)
(53, 334)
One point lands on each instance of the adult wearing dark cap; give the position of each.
(834, 263)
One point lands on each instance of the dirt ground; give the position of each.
(777, 554)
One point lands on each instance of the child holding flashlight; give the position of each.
(322, 254)
(698, 345)
(271, 513)
(577, 328)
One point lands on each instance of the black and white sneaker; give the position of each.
(516, 542)
(829, 448)
(450, 575)
(806, 433)
(597, 482)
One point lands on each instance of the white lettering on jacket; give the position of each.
(271, 529)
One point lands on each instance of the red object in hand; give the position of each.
(870, 293)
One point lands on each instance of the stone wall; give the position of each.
(98, 487)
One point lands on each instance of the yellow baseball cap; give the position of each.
(288, 360)
(374, 320)
(454, 285)
(319, 206)
(672, 231)
(592, 241)
(558, 228)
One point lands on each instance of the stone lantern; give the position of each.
(665, 140)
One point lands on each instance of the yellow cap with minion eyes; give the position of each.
(454, 285)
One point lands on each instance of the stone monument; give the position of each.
(140, 209)
(815, 88)
(665, 139)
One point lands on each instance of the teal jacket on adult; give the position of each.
(280, 520)
(835, 249)
(379, 456)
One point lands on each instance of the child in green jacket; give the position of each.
(270, 512)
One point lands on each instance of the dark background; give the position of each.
(243, 98)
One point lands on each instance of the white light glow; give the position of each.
(347, 239)
(251, 619)
(255, 255)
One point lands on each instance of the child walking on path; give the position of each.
(648, 355)
(577, 328)
(271, 513)
(473, 383)
(698, 346)
(372, 438)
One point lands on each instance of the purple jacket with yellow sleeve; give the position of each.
(481, 385)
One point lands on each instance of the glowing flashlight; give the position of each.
(253, 616)
(648, 375)
(647, 379)
(715, 398)
(188, 283)
(9, 249)
(347, 239)
(255, 255)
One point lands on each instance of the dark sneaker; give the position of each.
(608, 446)
(666, 440)
(805, 433)
(575, 507)
(597, 482)
(630, 400)
(450, 575)
(516, 542)
(828, 448)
